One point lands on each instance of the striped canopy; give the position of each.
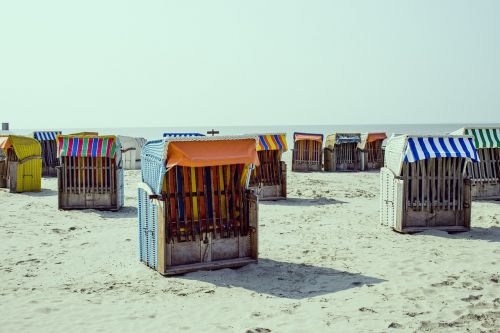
(485, 137)
(46, 135)
(177, 135)
(96, 146)
(423, 148)
(272, 142)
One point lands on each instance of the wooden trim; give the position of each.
(410, 230)
(162, 241)
(26, 159)
(210, 265)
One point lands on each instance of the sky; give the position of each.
(121, 63)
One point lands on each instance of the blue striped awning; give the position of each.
(423, 148)
(46, 135)
(177, 135)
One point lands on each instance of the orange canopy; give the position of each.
(211, 153)
(307, 136)
(376, 136)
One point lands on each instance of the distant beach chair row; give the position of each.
(358, 152)
(342, 152)
(198, 196)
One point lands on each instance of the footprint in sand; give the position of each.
(258, 330)
(471, 298)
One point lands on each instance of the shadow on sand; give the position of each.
(284, 279)
(125, 212)
(303, 202)
(45, 192)
(491, 234)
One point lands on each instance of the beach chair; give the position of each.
(484, 175)
(20, 164)
(424, 184)
(370, 150)
(90, 172)
(307, 152)
(269, 178)
(131, 151)
(341, 152)
(195, 210)
(48, 143)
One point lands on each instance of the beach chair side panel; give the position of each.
(390, 206)
(485, 175)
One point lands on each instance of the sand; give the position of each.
(326, 264)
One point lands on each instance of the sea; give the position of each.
(151, 133)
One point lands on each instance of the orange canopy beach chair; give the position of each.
(195, 209)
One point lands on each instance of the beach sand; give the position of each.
(326, 264)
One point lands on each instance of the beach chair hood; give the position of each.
(23, 146)
(198, 151)
(298, 136)
(129, 142)
(272, 142)
(340, 138)
(211, 151)
(87, 146)
(46, 135)
(410, 148)
(485, 137)
(370, 137)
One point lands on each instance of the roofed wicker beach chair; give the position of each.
(20, 163)
(269, 178)
(48, 142)
(195, 209)
(341, 152)
(425, 185)
(307, 152)
(370, 151)
(90, 172)
(131, 151)
(485, 175)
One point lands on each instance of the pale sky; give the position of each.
(120, 63)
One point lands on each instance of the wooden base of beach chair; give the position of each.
(99, 201)
(270, 193)
(305, 166)
(485, 190)
(210, 266)
(183, 257)
(445, 220)
(450, 229)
